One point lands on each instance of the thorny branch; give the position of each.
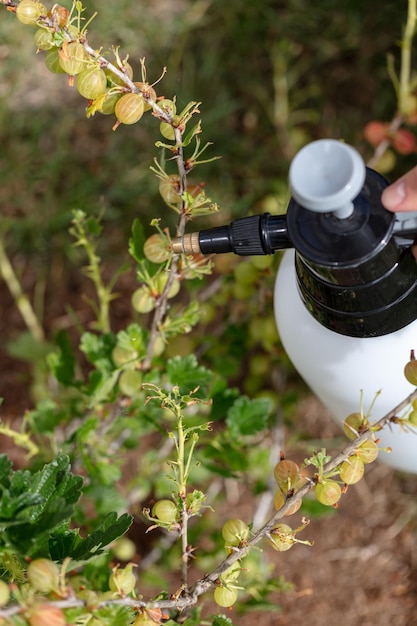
(162, 304)
(186, 598)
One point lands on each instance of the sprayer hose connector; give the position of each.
(187, 244)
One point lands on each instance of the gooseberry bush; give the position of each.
(133, 434)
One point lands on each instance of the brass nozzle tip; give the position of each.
(187, 244)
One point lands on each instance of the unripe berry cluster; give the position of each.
(109, 88)
(329, 491)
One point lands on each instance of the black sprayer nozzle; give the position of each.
(253, 235)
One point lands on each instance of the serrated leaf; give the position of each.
(109, 529)
(182, 322)
(185, 372)
(20, 482)
(137, 241)
(98, 349)
(46, 500)
(133, 338)
(5, 469)
(248, 417)
(63, 543)
(46, 482)
(13, 510)
(102, 387)
(68, 486)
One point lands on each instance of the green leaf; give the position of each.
(185, 372)
(102, 387)
(20, 482)
(5, 469)
(216, 452)
(93, 226)
(29, 349)
(313, 508)
(248, 417)
(223, 400)
(62, 543)
(55, 481)
(33, 505)
(68, 543)
(110, 528)
(13, 510)
(133, 338)
(137, 241)
(46, 416)
(191, 134)
(182, 322)
(68, 486)
(98, 349)
(62, 363)
(102, 381)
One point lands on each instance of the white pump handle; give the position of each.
(326, 175)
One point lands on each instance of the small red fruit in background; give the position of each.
(375, 132)
(404, 141)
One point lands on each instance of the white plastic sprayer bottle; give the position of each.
(345, 307)
(346, 294)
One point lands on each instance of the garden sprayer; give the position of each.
(346, 291)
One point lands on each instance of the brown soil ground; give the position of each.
(362, 568)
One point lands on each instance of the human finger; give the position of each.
(402, 194)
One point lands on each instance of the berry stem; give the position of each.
(162, 304)
(105, 63)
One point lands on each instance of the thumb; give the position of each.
(402, 195)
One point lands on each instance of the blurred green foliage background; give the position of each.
(271, 76)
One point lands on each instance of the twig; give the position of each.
(406, 49)
(210, 580)
(402, 85)
(190, 597)
(20, 298)
(162, 303)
